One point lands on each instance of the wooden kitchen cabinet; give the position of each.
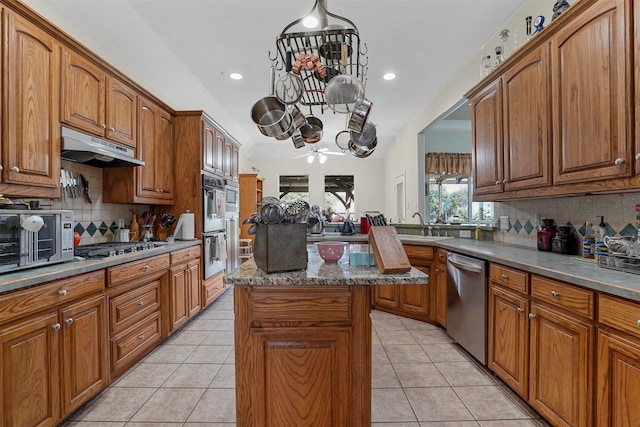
(414, 301)
(135, 306)
(96, 102)
(212, 288)
(30, 138)
(542, 344)
(55, 360)
(152, 183)
(250, 188)
(303, 355)
(591, 102)
(487, 128)
(213, 148)
(527, 124)
(618, 360)
(184, 296)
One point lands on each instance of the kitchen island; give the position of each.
(303, 342)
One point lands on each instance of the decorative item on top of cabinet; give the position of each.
(30, 138)
(54, 345)
(96, 102)
(152, 183)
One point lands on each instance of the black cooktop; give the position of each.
(110, 249)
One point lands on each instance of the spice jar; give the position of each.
(546, 234)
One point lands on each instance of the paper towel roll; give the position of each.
(185, 229)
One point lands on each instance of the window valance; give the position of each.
(448, 163)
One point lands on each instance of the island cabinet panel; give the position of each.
(303, 355)
(591, 104)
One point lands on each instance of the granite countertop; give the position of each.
(38, 275)
(571, 269)
(319, 273)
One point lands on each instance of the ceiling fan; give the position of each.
(319, 154)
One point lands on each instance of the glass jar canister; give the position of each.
(546, 234)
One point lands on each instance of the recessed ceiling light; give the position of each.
(389, 76)
(235, 76)
(310, 21)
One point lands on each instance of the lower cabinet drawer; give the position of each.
(620, 314)
(132, 306)
(128, 347)
(577, 300)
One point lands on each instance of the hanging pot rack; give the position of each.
(325, 45)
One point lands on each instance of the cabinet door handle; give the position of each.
(637, 157)
(112, 129)
(497, 182)
(62, 293)
(56, 327)
(69, 321)
(1, 168)
(519, 310)
(103, 126)
(555, 294)
(532, 316)
(638, 323)
(504, 276)
(505, 180)
(140, 337)
(146, 267)
(15, 169)
(619, 161)
(140, 303)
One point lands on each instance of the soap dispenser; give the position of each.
(601, 248)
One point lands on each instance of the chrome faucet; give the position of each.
(421, 221)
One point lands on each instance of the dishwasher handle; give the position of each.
(465, 267)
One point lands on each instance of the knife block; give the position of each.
(161, 232)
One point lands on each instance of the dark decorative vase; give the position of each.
(559, 7)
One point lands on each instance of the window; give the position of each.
(448, 199)
(339, 198)
(294, 188)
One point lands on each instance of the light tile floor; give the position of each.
(421, 378)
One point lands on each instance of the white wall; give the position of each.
(368, 175)
(403, 150)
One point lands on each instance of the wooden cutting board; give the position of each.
(388, 250)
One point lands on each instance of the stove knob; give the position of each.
(112, 253)
(120, 251)
(134, 249)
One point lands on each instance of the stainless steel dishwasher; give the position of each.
(467, 303)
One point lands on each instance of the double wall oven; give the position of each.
(213, 225)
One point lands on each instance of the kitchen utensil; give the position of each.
(362, 152)
(359, 116)
(252, 229)
(331, 251)
(312, 131)
(272, 213)
(332, 50)
(297, 120)
(618, 244)
(298, 140)
(63, 186)
(289, 88)
(344, 92)
(366, 137)
(85, 188)
(270, 114)
(297, 211)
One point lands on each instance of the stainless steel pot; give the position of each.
(365, 137)
(362, 152)
(271, 116)
(312, 131)
(359, 116)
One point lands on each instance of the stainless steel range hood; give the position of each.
(84, 148)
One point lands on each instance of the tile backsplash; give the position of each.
(618, 211)
(94, 221)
